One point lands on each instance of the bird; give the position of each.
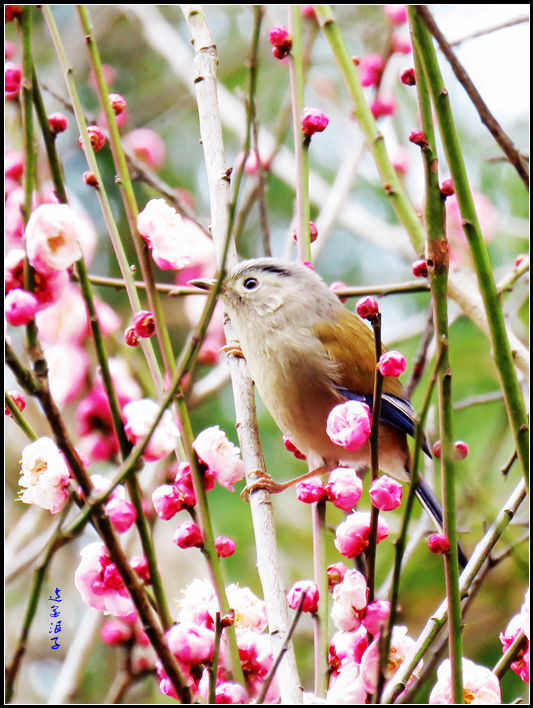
(306, 353)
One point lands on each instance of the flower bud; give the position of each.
(460, 450)
(408, 77)
(392, 363)
(12, 78)
(383, 107)
(295, 594)
(188, 535)
(386, 493)
(143, 323)
(140, 566)
(313, 232)
(400, 45)
(397, 14)
(370, 69)
(418, 137)
(279, 36)
(20, 307)
(446, 188)
(58, 122)
(438, 543)
(310, 490)
(367, 307)
(11, 11)
(313, 121)
(114, 632)
(118, 103)
(224, 546)
(344, 488)
(420, 268)
(349, 425)
(338, 285)
(96, 136)
(90, 179)
(18, 399)
(131, 337)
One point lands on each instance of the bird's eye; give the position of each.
(251, 283)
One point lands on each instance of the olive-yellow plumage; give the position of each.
(306, 353)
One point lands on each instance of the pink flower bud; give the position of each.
(367, 307)
(114, 632)
(118, 103)
(383, 107)
(279, 36)
(140, 566)
(20, 307)
(313, 121)
(96, 137)
(18, 399)
(438, 543)
(418, 137)
(400, 45)
(121, 513)
(310, 490)
(392, 363)
(292, 448)
(397, 14)
(446, 188)
(338, 285)
(313, 233)
(408, 77)
(376, 614)
(167, 501)
(437, 450)
(143, 323)
(352, 534)
(188, 535)
(14, 164)
(344, 488)
(12, 78)
(90, 179)
(335, 573)
(131, 337)
(58, 122)
(349, 424)
(370, 69)
(224, 546)
(386, 493)
(192, 644)
(294, 596)
(420, 268)
(460, 450)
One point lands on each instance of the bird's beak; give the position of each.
(203, 283)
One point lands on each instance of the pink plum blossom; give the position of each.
(349, 424)
(520, 665)
(250, 611)
(115, 631)
(376, 614)
(55, 237)
(18, 399)
(370, 69)
(397, 14)
(391, 363)
(68, 365)
(100, 585)
(347, 647)
(144, 324)
(346, 686)
(438, 543)
(335, 573)
(386, 493)
(121, 513)
(58, 122)
(313, 121)
(167, 501)
(352, 534)
(197, 602)
(147, 146)
(480, 685)
(310, 490)
(12, 78)
(349, 601)
(191, 644)
(20, 307)
(139, 417)
(401, 648)
(344, 488)
(220, 455)
(44, 475)
(385, 106)
(188, 535)
(295, 594)
(46, 288)
(367, 307)
(224, 546)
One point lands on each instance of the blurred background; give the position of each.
(360, 243)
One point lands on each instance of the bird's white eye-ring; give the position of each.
(251, 283)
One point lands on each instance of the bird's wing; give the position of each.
(349, 343)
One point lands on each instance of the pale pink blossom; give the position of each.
(54, 236)
(295, 594)
(220, 455)
(349, 424)
(46, 288)
(139, 417)
(13, 222)
(346, 686)
(100, 585)
(250, 611)
(121, 513)
(176, 242)
(344, 488)
(146, 145)
(335, 573)
(386, 493)
(44, 475)
(401, 648)
(255, 653)
(480, 685)
(68, 365)
(197, 602)
(192, 644)
(352, 534)
(347, 647)
(349, 601)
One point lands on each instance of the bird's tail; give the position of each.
(432, 505)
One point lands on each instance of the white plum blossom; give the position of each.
(44, 475)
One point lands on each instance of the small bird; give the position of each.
(307, 353)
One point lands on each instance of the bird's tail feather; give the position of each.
(432, 505)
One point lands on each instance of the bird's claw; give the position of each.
(264, 481)
(232, 348)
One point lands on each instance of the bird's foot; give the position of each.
(232, 348)
(265, 481)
